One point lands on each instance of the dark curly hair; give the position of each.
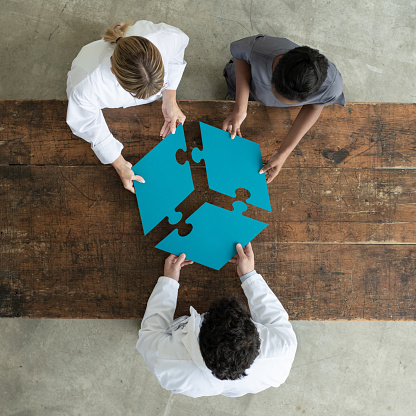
(228, 340)
(300, 73)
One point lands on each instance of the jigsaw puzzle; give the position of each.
(167, 184)
(232, 164)
(215, 232)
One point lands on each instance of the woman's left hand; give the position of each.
(173, 117)
(273, 167)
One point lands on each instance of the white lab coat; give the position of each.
(91, 85)
(171, 349)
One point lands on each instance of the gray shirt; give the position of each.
(260, 51)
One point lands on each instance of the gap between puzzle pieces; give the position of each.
(236, 166)
(167, 182)
(215, 233)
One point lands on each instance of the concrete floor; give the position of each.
(89, 367)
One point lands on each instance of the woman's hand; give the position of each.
(305, 119)
(273, 166)
(171, 112)
(233, 122)
(174, 264)
(127, 176)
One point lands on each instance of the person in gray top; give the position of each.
(278, 73)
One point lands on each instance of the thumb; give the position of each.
(138, 179)
(264, 169)
(173, 125)
(240, 251)
(180, 260)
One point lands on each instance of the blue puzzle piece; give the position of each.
(167, 184)
(232, 164)
(215, 232)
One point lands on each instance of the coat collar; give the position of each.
(190, 340)
(107, 75)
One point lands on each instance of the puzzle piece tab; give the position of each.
(167, 184)
(214, 235)
(232, 164)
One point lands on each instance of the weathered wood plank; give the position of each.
(330, 206)
(72, 245)
(343, 281)
(340, 244)
(361, 135)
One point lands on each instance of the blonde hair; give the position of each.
(137, 63)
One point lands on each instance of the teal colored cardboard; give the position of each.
(232, 164)
(167, 184)
(215, 233)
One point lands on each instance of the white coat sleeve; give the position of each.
(157, 318)
(267, 310)
(177, 62)
(87, 121)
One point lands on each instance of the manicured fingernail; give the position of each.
(143, 181)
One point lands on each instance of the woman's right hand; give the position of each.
(233, 122)
(127, 176)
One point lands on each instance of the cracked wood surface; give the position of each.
(340, 244)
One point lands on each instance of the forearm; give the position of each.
(157, 318)
(119, 163)
(307, 117)
(161, 305)
(265, 307)
(243, 79)
(169, 97)
(87, 121)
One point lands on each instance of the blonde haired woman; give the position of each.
(131, 65)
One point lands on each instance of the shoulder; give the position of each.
(266, 40)
(167, 39)
(271, 44)
(261, 46)
(151, 30)
(242, 48)
(186, 378)
(277, 353)
(83, 90)
(91, 55)
(276, 342)
(331, 91)
(90, 88)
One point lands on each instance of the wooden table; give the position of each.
(340, 244)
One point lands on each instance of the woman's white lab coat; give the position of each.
(171, 349)
(91, 85)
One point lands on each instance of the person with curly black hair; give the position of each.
(227, 350)
(279, 73)
(228, 340)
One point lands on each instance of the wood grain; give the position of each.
(340, 242)
(360, 135)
